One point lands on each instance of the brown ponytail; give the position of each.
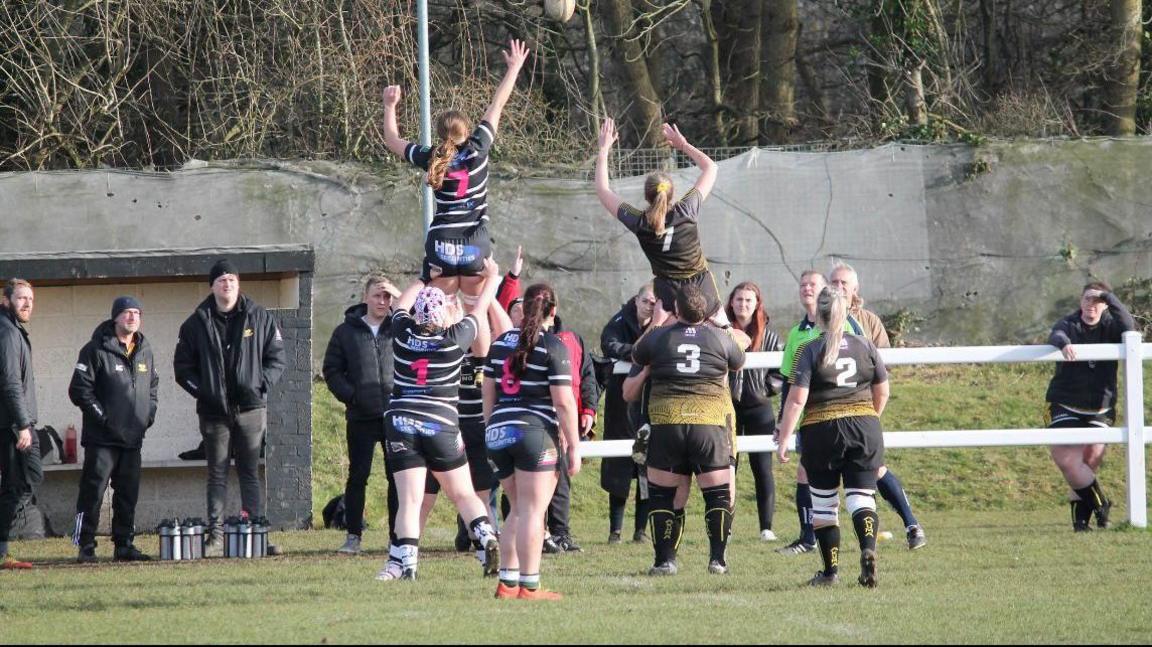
(451, 127)
(658, 192)
(539, 304)
(757, 328)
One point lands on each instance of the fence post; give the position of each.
(1134, 422)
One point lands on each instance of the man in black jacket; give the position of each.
(20, 469)
(228, 355)
(358, 371)
(115, 385)
(1083, 394)
(617, 474)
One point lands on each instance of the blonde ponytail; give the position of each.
(832, 311)
(658, 192)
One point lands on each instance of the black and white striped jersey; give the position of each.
(426, 378)
(471, 406)
(530, 394)
(462, 200)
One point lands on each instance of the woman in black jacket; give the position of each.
(358, 371)
(617, 474)
(752, 391)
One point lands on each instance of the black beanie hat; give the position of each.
(222, 267)
(125, 303)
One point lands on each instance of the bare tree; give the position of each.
(1123, 82)
(781, 26)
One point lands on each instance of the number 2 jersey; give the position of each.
(528, 395)
(426, 379)
(676, 253)
(844, 389)
(689, 374)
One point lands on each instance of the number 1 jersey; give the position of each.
(427, 367)
(689, 373)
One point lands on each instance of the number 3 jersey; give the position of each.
(426, 378)
(529, 394)
(689, 374)
(843, 389)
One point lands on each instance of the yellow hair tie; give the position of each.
(663, 187)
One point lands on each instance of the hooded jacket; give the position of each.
(117, 392)
(358, 365)
(257, 355)
(616, 341)
(17, 381)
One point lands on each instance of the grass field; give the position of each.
(1001, 564)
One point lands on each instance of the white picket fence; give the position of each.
(1131, 353)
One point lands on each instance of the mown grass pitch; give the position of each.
(984, 577)
(1001, 565)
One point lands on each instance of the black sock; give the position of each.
(1099, 492)
(829, 539)
(892, 490)
(1088, 502)
(641, 515)
(717, 520)
(505, 506)
(616, 505)
(663, 519)
(804, 511)
(867, 524)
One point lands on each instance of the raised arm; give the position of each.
(408, 296)
(607, 196)
(708, 168)
(515, 56)
(392, 138)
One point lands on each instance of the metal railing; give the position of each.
(1131, 353)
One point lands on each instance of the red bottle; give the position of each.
(70, 444)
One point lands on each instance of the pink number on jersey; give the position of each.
(461, 177)
(421, 368)
(509, 383)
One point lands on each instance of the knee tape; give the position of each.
(825, 507)
(718, 497)
(661, 497)
(858, 500)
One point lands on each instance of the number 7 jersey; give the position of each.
(689, 373)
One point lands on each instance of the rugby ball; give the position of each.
(559, 10)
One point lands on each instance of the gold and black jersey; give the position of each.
(689, 374)
(844, 388)
(675, 253)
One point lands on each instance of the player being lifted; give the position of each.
(690, 410)
(667, 230)
(458, 240)
(840, 385)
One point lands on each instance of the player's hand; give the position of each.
(608, 134)
(491, 269)
(782, 453)
(675, 139)
(24, 440)
(518, 264)
(392, 96)
(574, 462)
(516, 54)
(1069, 353)
(659, 315)
(586, 422)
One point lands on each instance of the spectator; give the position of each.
(20, 469)
(752, 391)
(617, 474)
(115, 385)
(229, 354)
(358, 371)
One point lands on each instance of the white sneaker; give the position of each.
(351, 546)
(767, 535)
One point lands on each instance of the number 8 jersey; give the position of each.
(530, 394)
(689, 375)
(844, 389)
